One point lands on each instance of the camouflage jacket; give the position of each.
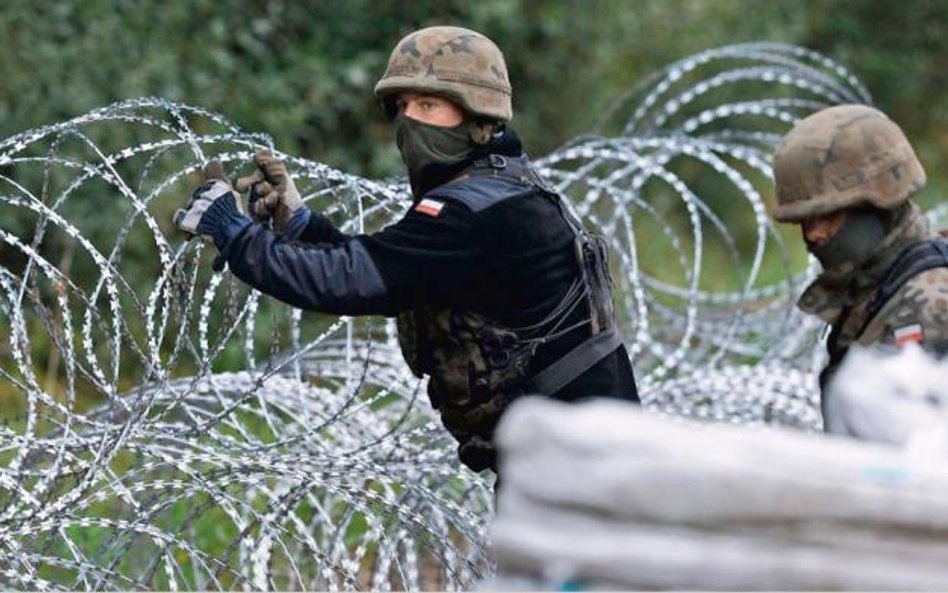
(917, 312)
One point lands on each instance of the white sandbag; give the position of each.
(608, 493)
(613, 456)
(595, 552)
(895, 396)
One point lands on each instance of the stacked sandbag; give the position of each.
(892, 395)
(607, 495)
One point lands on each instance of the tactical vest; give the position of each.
(477, 367)
(914, 259)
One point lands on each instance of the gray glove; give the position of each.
(272, 191)
(216, 186)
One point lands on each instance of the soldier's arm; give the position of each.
(320, 229)
(422, 259)
(919, 313)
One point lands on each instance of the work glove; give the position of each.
(213, 213)
(273, 195)
(215, 186)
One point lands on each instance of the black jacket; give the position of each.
(511, 260)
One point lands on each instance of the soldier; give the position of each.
(497, 289)
(846, 174)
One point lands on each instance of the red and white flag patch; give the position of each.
(429, 207)
(909, 333)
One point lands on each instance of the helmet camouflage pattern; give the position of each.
(457, 63)
(844, 156)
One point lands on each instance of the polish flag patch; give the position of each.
(908, 334)
(429, 207)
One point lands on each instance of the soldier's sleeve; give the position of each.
(320, 229)
(426, 258)
(436, 255)
(919, 313)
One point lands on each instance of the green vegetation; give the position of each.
(304, 71)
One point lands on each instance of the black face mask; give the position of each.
(432, 154)
(857, 240)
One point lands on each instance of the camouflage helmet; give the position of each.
(457, 63)
(844, 156)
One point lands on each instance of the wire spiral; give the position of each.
(164, 427)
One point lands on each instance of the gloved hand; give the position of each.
(272, 192)
(215, 186)
(213, 212)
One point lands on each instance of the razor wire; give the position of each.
(165, 427)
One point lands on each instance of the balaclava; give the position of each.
(856, 241)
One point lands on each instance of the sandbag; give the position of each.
(607, 494)
(892, 395)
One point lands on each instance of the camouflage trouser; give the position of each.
(475, 368)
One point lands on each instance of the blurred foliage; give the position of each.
(303, 71)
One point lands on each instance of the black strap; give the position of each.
(914, 259)
(519, 168)
(502, 166)
(574, 363)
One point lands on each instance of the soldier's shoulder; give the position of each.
(933, 281)
(480, 192)
(924, 296)
(917, 312)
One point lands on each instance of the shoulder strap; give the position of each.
(522, 170)
(498, 165)
(574, 363)
(914, 259)
(488, 181)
